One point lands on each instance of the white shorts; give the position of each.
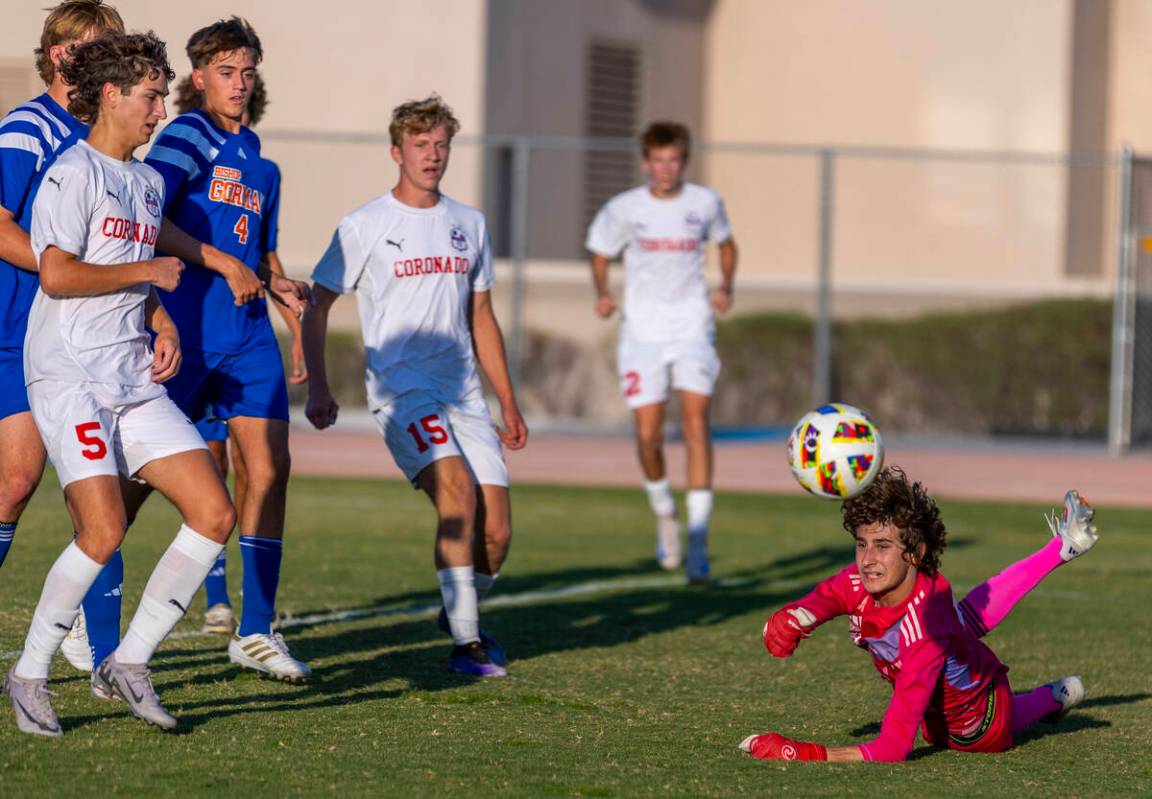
(644, 368)
(419, 429)
(90, 433)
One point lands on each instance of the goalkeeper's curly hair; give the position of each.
(906, 504)
(122, 59)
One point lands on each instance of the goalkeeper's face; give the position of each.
(887, 570)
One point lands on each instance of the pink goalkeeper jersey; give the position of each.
(939, 670)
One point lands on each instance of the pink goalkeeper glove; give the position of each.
(773, 746)
(783, 631)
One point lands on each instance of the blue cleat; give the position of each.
(491, 646)
(472, 659)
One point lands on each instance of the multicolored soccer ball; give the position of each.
(835, 451)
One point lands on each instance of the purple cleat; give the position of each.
(491, 646)
(472, 659)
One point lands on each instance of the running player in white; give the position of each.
(32, 136)
(94, 378)
(666, 325)
(421, 266)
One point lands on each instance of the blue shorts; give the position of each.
(212, 429)
(13, 392)
(250, 383)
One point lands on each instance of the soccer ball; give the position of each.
(835, 451)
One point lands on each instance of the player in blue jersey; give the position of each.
(218, 616)
(32, 136)
(217, 191)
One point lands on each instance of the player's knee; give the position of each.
(15, 491)
(650, 439)
(214, 518)
(270, 473)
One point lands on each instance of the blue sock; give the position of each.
(261, 560)
(7, 533)
(216, 583)
(102, 609)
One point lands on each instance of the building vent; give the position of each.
(612, 106)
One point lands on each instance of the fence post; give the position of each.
(521, 159)
(822, 334)
(1123, 317)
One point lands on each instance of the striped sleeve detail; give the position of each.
(201, 139)
(911, 630)
(62, 128)
(26, 142)
(971, 618)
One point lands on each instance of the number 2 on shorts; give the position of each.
(436, 433)
(98, 449)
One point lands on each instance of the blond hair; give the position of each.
(421, 116)
(69, 22)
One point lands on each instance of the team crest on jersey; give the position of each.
(459, 240)
(152, 202)
(693, 222)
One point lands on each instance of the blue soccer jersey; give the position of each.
(272, 208)
(217, 189)
(32, 136)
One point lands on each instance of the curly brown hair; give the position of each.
(189, 98)
(894, 498)
(421, 116)
(69, 22)
(122, 59)
(225, 36)
(666, 134)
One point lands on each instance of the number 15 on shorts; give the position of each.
(429, 430)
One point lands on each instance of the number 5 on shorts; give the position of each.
(436, 433)
(98, 449)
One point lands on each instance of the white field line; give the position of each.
(527, 598)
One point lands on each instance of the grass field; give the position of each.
(629, 684)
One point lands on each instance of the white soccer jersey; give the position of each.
(665, 294)
(414, 271)
(103, 211)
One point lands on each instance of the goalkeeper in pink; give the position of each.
(946, 682)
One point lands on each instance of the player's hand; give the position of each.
(773, 746)
(299, 370)
(293, 294)
(605, 305)
(322, 408)
(515, 432)
(784, 630)
(243, 282)
(721, 300)
(166, 356)
(164, 272)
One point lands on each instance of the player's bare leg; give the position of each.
(263, 446)
(449, 484)
(490, 544)
(21, 466)
(649, 423)
(191, 482)
(697, 432)
(218, 616)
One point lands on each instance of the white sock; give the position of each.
(484, 583)
(458, 590)
(699, 504)
(64, 588)
(175, 580)
(660, 497)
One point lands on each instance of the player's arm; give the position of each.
(243, 281)
(322, 408)
(785, 628)
(489, 344)
(15, 244)
(62, 274)
(166, 356)
(605, 302)
(293, 295)
(722, 295)
(299, 370)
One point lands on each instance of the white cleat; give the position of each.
(132, 682)
(75, 646)
(32, 702)
(267, 653)
(1069, 692)
(668, 542)
(219, 619)
(1074, 526)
